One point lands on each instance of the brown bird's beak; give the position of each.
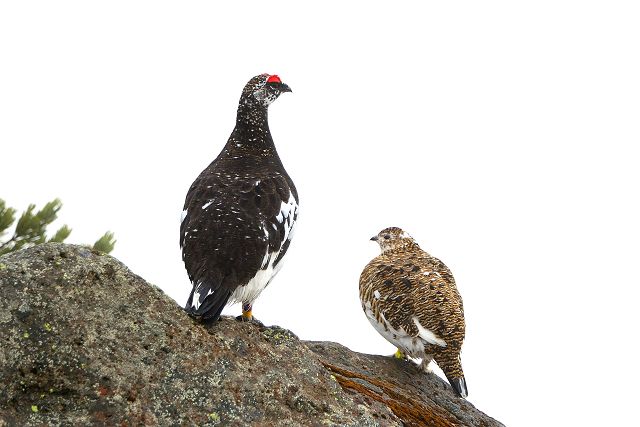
(374, 238)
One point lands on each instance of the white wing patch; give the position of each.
(287, 214)
(427, 335)
(250, 291)
(183, 216)
(398, 337)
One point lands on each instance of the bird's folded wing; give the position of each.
(231, 227)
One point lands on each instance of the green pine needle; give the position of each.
(7, 217)
(105, 243)
(26, 222)
(61, 234)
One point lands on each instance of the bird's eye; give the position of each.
(387, 237)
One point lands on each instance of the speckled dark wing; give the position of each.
(234, 225)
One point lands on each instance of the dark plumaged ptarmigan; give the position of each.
(239, 214)
(411, 299)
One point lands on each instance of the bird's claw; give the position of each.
(251, 319)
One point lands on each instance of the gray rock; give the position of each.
(83, 341)
(416, 398)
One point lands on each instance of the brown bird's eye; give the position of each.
(387, 237)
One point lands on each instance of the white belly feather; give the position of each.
(413, 346)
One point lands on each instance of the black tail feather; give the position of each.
(210, 308)
(459, 386)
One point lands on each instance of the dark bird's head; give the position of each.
(262, 90)
(393, 238)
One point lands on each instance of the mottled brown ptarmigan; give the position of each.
(411, 299)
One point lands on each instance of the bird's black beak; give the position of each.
(284, 88)
(281, 87)
(374, 238)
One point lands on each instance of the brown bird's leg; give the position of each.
(424, 365)
(247, 315)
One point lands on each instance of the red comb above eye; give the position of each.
(274, 79)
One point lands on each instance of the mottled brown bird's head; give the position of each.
(394, 238)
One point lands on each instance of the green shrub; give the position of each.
(31, 228)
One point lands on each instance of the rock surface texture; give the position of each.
(83, 341)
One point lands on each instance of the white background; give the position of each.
(501, 135)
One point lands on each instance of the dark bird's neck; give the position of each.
(250, 142)
(252, 115)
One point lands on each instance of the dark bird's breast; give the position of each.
(237, 226)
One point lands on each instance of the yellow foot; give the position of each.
(399, 355)
(248, 317)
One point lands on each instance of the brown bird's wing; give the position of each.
(446, 274)
(441, 308)
(445, 316)
(384, 285)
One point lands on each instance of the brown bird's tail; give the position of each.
(449, 361)
(459, 385)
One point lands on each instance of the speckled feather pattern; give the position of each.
(240, 211)
(405, 285)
